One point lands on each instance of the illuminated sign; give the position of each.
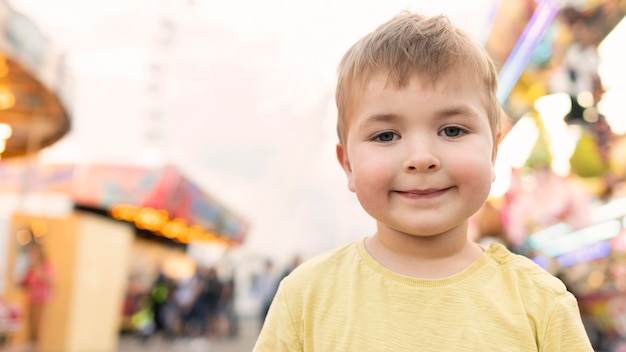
(556, 246)
(584, 254)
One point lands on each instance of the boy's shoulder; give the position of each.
(524, 271)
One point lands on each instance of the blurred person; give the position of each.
(170, 311)
(143, 319)
(190, 306)
(38, 284)
(159, 294)
(418, 126)
(137, 309)
(207, 300)
(267, 284)
(295, 262)
(226, 307)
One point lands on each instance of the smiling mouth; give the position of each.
(423, 193)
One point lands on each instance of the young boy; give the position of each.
(418, 131)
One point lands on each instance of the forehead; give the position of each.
(450, 84)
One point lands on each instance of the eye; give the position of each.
(452, 131)
(385, 137)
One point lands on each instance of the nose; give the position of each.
(421, 157)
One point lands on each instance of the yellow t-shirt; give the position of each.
(344, 300)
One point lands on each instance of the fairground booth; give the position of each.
(101, 226)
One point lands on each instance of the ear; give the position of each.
(342, 157)
(494, 155)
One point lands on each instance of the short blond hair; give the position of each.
(411, 44)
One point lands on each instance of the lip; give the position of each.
(423, 193)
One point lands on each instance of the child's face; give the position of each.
(420, 159)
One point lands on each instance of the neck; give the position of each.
(430, 257)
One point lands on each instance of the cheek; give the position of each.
(476, 172)
(372, 173)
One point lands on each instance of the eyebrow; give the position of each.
(446, 112)
(378, 118)
(457, 110)
(381, 118)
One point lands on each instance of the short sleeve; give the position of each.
(279, 332)
(565, 330)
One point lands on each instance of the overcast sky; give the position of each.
(237, 94)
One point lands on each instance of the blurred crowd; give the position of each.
(202, 305)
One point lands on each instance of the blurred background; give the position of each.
(164, 163)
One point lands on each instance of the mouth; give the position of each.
(423, 193)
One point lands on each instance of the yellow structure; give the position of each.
(90, 255)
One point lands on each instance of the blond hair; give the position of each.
(408, 45)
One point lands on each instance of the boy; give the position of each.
(418, 125)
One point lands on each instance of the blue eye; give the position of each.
(385, 137)
(452, 131)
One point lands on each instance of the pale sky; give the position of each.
(238, 93)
